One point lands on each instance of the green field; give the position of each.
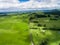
(45, 29)
(29, 29)
(14, 30)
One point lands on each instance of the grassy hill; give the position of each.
(45, 28)
(14, 30)
(30, 28)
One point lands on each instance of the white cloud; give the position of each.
(41, 4)
(12, 5)
(11, 1)
(8, 3)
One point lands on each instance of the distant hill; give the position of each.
(54, 11)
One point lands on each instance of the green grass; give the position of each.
(39, 35)
(14, 31)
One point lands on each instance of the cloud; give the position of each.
(9, 1)
(39, 4)
(16, 5)
(4, 4)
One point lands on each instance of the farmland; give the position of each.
(45, 29)
(14, 30)
(35, 28)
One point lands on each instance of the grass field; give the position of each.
(30, 29)
(13, 30)
(40, 29)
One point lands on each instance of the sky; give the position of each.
(21, 5)
(23, 0)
